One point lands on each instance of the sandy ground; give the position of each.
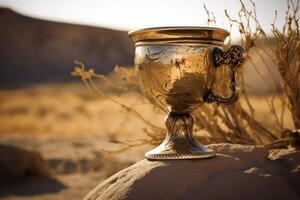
(70, 129)
(77, 165)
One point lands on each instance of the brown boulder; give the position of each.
(238, 172)
(16, 163)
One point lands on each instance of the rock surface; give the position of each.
(238, 172)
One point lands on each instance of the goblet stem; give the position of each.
(179, 142)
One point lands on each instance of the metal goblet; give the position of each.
(177, 67)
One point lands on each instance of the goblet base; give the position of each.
(179, 142)
(163, 152)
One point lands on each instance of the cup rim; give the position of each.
(178, 33)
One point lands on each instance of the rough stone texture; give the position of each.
(238, 172)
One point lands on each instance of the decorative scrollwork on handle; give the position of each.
(233, 58)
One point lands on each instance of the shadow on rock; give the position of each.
(31, 186)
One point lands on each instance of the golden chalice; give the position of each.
(177, 67)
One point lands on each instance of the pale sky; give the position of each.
(131, 14)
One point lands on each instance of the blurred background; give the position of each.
(51, 126)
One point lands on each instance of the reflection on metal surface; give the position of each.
(173, 77)
(176, 67)
(189, 34)
(179, 142)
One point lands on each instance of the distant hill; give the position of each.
(34, 51)
(38, 51)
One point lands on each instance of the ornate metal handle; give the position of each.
(233, 57)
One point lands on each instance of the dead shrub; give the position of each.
(235, 123)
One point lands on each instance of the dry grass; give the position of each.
(69, 110)
(287, 60)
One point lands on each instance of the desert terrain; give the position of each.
(73, 130)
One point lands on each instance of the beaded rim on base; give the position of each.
(207, 154)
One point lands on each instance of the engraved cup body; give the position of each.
(175, 77)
